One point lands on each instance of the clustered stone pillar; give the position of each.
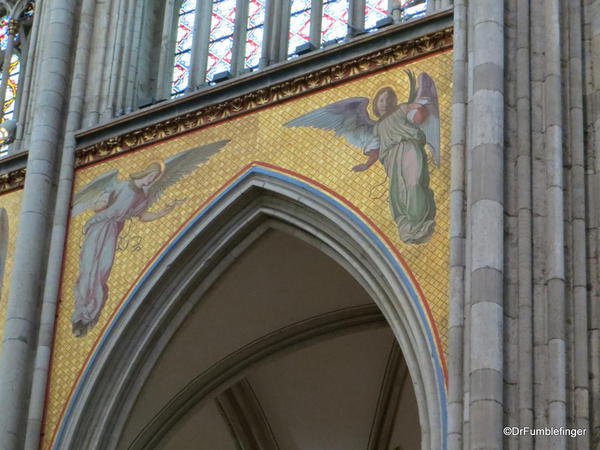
(24, 300)
(524, 316)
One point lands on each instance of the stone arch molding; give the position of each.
(259, 201)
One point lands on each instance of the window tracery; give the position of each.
(13, 26)
(220, 46)
(183, 47)
(334, 25)
(299, 31)
(254, 33)
(232, 33)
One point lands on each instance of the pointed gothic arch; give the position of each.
(259, 199)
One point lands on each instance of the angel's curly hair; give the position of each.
(392, 100)
(156, 166)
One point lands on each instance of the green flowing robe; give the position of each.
(412, 205)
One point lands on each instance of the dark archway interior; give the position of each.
(342, 386)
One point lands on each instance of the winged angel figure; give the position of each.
(115, 201)
(398, 139)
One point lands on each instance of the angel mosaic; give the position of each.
(398, 138)
(114, 202)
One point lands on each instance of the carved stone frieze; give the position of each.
(12, 180)
(245, 103)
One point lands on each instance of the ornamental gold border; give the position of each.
(12, 180)
(331, 75)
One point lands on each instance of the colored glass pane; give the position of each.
(299, 25)
(334, 24)
(299, 5)
(187, 5)
(254, 36)
(183, 47)
(181, 73)
(412, 9)
(221, 37)
(223, 19)
(8, 109)
(11, 91)
(375, 10)
(185, 32)
(219, 57)
(4, 31)
(29, 10)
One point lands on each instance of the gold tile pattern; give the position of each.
(259, 136)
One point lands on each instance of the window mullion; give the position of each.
(238, 52)
(165, 75)
(316, 17)
(276, 31)
(356, 17)
(200, 43)
(284, 24)
(395, 10)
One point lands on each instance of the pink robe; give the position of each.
(101, 234)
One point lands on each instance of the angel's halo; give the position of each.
(400, 87)
(394, 85)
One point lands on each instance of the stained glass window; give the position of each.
(299, 25)
(254, 37)
(334, 25)
(412, 9)
(14, 69)
(13, 72)
(4, 32)
(11, 90)
(375, 10)
(220, 45)
(29, 9)
(183, 47)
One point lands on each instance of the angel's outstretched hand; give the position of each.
(175, 203)
(360, 168)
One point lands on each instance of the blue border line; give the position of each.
(351, 214)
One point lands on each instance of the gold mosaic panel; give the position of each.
(260, 136)
(11, 202)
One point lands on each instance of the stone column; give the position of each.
(524, 225)
(591, 17)
(59, 230)
(555, 269)
(16, 360)
(486, 226)
(457, 232)
(581, 392)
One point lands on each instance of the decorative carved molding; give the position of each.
(12, 180)
(260, 98)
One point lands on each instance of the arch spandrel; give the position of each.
(310, 169)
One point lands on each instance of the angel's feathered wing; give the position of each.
(427, 96)
(348, 118)
(182, 164)
(87, 195)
